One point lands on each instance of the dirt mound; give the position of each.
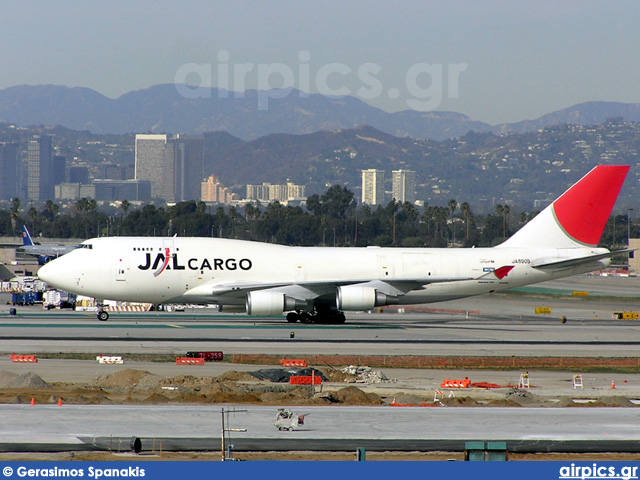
(503, 403)
(7, 379)
(355, 396)
(236, 377)
(525, 398)
(30, 380)
(26, 380)
(617, 401)
(565, 402)
(156, 398)
(338, 376)
(406, 399)
(129, 379)
(460, 402)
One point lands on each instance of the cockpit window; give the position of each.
(85, 245)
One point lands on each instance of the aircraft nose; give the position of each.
(53, 273)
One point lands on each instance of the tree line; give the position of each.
(331, 219)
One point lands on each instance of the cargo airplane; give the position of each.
(318, 284)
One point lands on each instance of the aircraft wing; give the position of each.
(391, 287)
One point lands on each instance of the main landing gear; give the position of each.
(323, 316)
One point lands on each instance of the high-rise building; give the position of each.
(295, 191)
(373, 186)
(9, 171)
(185, 158)
(258, 192)
(150, 155)
(40, 168)
(404, 186)
(268, 192)
(173, 164)
(59, 169)
(214, 191)
(79, 174)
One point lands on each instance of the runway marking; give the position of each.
(197, 326)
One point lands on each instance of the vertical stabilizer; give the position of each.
(26, 238)
(578, 217)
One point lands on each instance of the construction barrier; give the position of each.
(577, 381)
(128, 308)
(305, 380)
(110, 360)
(189, 361)
(448, 383)
(23, 358)
(545, 310)
(208, 356)
(293, 362)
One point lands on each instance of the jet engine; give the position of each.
(354, 297)
(270, 303)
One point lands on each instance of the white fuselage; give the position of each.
(138, 269)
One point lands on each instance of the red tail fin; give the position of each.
(584, 209)
(578, 217)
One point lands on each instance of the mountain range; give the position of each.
(163, 109)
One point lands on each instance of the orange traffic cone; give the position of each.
(59, 402)
(613, 385)
(33, 401)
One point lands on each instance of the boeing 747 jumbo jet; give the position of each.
(317, 284)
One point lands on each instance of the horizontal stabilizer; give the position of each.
(572, 262)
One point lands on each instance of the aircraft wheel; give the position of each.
(340, 318)
(306, 318)
(103, 316)
(292, 317)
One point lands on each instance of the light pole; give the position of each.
(628, 225)
(630, 254)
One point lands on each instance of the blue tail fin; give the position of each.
(26, 238)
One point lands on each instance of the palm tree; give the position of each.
(125, 205)
(15, 212)
(500, 212)
(505, 215)
(465, 208)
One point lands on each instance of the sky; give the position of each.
(495, 61)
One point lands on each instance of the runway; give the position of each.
(426, 333)
(193, 428)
